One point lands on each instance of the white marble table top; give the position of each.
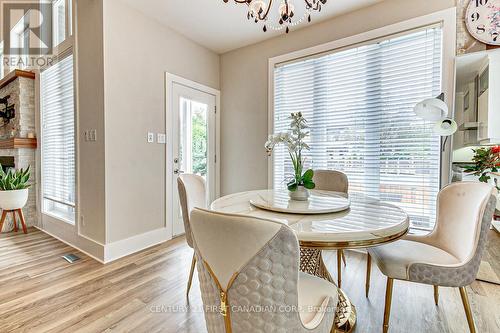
(367, 222)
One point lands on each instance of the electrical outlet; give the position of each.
(151, 137)
(90, 135)
(161, 138)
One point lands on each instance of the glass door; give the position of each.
(193, 143)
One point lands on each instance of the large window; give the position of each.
(58, 140)
(359, 104)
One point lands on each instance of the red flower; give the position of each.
(495, 150)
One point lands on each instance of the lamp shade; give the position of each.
(431, 109)
(445, 127)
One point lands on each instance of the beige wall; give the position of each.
(244, 75)
(137, 53)
(90, 114)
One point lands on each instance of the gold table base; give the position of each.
(311, 262)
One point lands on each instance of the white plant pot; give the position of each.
(300, 194)
(15, 199)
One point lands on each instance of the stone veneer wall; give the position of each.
(22, 94)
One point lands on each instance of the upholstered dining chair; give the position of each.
(333, 180)
(450, 255)
(249, 276)
(192, 194)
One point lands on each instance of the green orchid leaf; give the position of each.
(308, 175)
(309, 185)
(292, 187)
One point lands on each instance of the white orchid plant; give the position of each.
(294, 141)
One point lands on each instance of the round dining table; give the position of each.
(365, 222)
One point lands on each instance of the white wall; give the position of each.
(244, 74)
(137, 53)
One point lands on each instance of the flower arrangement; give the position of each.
(487, 162)
(294, 141)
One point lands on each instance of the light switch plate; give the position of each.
(151, 137)
(161, 138)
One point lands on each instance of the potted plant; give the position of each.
(14, 188)
(486, 166)
(298, 184)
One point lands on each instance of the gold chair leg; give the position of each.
(468, 312)
(436, 295)
(193, 264)
(339, 268)
(368, 273)
(343, 257)
(388, 300)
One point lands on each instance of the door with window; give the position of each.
(193, 142)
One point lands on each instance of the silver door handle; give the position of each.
(177, 171)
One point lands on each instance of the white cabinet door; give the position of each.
(482, 116)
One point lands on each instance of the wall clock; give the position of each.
(483, 20)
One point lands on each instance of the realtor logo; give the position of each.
(27, 27)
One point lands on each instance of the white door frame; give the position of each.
(170, 79)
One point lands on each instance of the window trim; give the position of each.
(64, 49)
(446, 18)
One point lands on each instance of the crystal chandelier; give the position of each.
(259, 11)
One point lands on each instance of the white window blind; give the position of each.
(359, 104)
(58, 139)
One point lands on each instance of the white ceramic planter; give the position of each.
(300, 194)
(15, 199)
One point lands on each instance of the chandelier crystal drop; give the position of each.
(283, 12)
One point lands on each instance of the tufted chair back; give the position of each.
(460, 211)
(244, 264)
(465, 212)
(331, 180)
(192, 193)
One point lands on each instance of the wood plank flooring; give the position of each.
(145, 292)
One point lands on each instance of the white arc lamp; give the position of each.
(436, 110)
(445, 127)
(432, 109)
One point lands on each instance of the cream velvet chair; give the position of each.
(332, 180)
(192, 193)
(450, 255)
(249, 277)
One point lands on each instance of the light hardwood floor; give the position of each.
(145, 292)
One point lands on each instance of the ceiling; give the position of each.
(221, 26)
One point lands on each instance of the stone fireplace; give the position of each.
(17, 136)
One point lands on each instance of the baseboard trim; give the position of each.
(125, 247)
(68, 243)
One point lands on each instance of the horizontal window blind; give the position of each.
(359, 105)
(58, 138)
